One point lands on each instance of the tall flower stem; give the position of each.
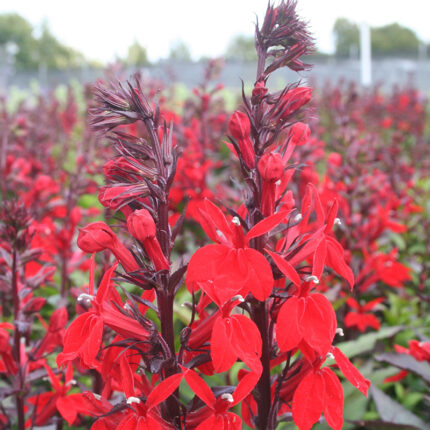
(17, 345)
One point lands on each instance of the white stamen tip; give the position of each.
(85, 296)
(127, 307)
(298, 217)
(238, 297)
(131, 400)
(330, 355)
(339, 331)
(97, 396)
(228, 397)
(337, 221)
(236, 220)
(278, 182)
(71, 382)
(312, 278)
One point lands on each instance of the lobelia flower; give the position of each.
(215, 414)
(320, 391)
(361, 318)
(142, 227)
(48, 403)
(230, 267)
(83, 337)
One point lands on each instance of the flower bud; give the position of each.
(299, 133)
(258, 92)
(294, 99)
(239, 125)
(271, 166)
(141, 225)
(96, 237)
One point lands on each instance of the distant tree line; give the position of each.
(389, 40)
(20, 45)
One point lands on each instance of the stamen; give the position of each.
(313, 278)
(236, 220)
(298, 217)
(131, 400)
(340, 332)
(228, 397)
(85, 296)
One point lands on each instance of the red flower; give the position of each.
(360, 318)
(215, 414)
(47, 404)
(230, 267)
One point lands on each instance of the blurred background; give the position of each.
(47, 43)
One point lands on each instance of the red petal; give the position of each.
(222, 353)
(266, 225)
(286, 268)
(319, 259)
(66, 409)
(163, 390)
(199, 386)
(331, 216)
(205, 264)
(308, 401)
(213, 220)
(259, 273)
(319, 323)
(336, 261)
(245, 338)
(350, 372)
(333, 408)
(288, 328)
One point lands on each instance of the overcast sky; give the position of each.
(104, 29)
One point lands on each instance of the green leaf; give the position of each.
(366, 342)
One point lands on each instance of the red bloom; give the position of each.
(230, 267)
(360, 318)
(47, 404)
